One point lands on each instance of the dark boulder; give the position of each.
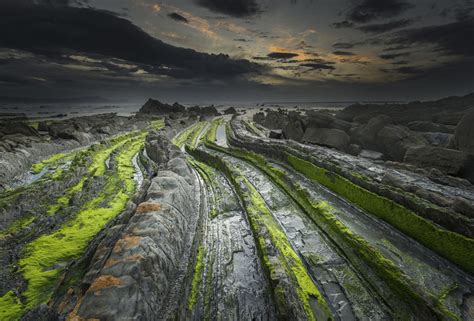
(327, 137)
(464, 135)
(448, 118)
(275, 134)
(259, 117)
(317, 119)
(293, 130)
(11, 128)
(394, 141)
(275, 120)
(439, 139)
(153, 106)
(428, 126)
(366, 135)
(448, 161)
(230, 111)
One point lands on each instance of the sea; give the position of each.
(63, 111)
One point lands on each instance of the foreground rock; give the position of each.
(139, 273)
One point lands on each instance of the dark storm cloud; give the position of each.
(394, 56)
(405, 70)
(343, 45)
(343, 53)
(50, 30)
(343, 24)
(282, 55)
(396, 48)
(368, 10)
(401, 62)
(384, 27)
(235, 8)
(455, 38)
(177, 17)
(318, 66)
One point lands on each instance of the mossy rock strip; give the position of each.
(422, 304)
(267, 231)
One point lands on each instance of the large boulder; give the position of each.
(394, 141)
(366, 135)
(70, 130)
(318, 119)
(275, 120)
(153, 106)
(12, 128)
(259, 117)
(230, 111)
(439, 139)
(293, 130)
(428, 126)
(464, 135)
(327, 137)
(448, 161)
(448, 118)
(158, 147)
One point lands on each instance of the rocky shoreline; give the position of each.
(188, 214)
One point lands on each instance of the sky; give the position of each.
(237, 50)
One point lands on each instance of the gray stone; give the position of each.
(464, 135)
(370, 154)
(393, 141)
(327, 137)
(293, 130)
(448, 161)
(428, 126)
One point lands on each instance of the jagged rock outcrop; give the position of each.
(230, 111)
(12, 128)
(153, 106)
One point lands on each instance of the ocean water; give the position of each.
(61, 111)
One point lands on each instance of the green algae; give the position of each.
(189, 135)
(261, 220)
(322, 214)
(44, 259)
(18, 225)
(197, 278)
(38, 167)
(453, 246)
(259, 214)
(10, 307)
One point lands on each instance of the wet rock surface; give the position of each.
(22, 149)
(390, 129)
(224, 226)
